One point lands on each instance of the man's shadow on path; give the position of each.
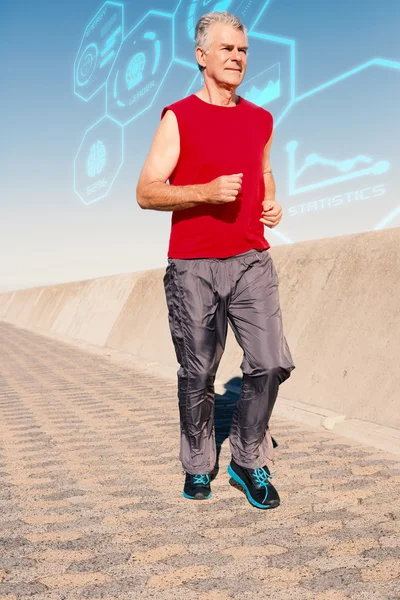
(224, 409)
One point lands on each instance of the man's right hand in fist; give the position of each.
(223, 189)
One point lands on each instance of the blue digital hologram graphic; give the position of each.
(276, 82)
(98, 160)
(101, 41)
(347, 167)
(264, 87)
(140, 69)
(87, 64)
(135, 68)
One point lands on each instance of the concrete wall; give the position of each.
(340, 300)
(84, 310)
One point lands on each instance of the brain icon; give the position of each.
(134, 72)
(96, 159)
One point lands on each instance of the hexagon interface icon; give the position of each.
(140, 68)
(98, 50)
(189, 12)
(98, 161)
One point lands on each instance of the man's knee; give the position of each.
(198, 376)
(263, 370)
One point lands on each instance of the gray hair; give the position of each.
(204, 24)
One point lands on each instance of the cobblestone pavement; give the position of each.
(91, 503)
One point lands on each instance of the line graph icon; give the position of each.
(347, 168)
(265, 87)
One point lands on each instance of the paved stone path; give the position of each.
(91, 505)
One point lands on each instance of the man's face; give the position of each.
(226, 58)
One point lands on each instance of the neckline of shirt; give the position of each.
(218, 106)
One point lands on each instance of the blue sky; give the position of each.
(336, 104)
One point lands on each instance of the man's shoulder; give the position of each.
(178, 106)
(256, 110)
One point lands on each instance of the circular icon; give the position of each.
(87, 64)
(380, 167)
(97, 159)
(139, 67)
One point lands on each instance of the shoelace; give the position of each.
(201, 479)
(261, 478)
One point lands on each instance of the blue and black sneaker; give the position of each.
(197, 487)
(255, 482)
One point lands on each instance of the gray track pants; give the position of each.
(202, 296)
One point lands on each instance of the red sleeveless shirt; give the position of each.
(215, 141)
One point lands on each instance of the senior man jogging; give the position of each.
(214, 149)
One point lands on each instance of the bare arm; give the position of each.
(267, 170)
(153, 192)
(271, 209)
